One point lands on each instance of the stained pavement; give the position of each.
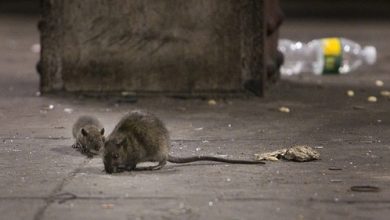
(42, 177)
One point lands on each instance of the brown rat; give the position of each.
(89, 135)
(142, 137)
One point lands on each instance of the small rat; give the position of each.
(89, 135)
(142, 137)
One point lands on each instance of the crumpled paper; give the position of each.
(299, 153)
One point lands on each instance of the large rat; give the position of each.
(142, 137)
(89, 135)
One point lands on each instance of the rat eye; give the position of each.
(115, 156)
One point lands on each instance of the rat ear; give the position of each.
(84, 132)
(102, 131)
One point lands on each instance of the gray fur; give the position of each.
(89, 135)
(138, 137)
(141, 137)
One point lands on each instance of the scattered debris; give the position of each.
(228, 180)
(38, 93)
(45, 109)
(365, 188)
(299, 153)
(212, 102)
(385, 93)
(107, 206)
(126, 93)
(229, 125)
(336, 181)
(284, 109)
(198, 129)
(358, 107)
(271, 156)
(36, 48)
(211, 203)
(379, 83)
(68, 110)
(372, 99)
(350, 93)
(335, 168)
(198, 149)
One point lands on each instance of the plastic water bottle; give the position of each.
(324, 56)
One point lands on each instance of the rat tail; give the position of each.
(173, 159)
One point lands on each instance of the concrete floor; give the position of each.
(42, 177)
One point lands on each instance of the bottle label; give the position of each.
(332, 55)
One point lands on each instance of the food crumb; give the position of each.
(107, 206)
(372, 99)
(284, 109)
(379, 83)
(212, 102)
(350, 93)
(385, 93)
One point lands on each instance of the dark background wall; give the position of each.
(352, 9)
(349, 9)
(19, 6)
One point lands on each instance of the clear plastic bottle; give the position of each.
(324, 56)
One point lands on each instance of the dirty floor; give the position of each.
(42, 177)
